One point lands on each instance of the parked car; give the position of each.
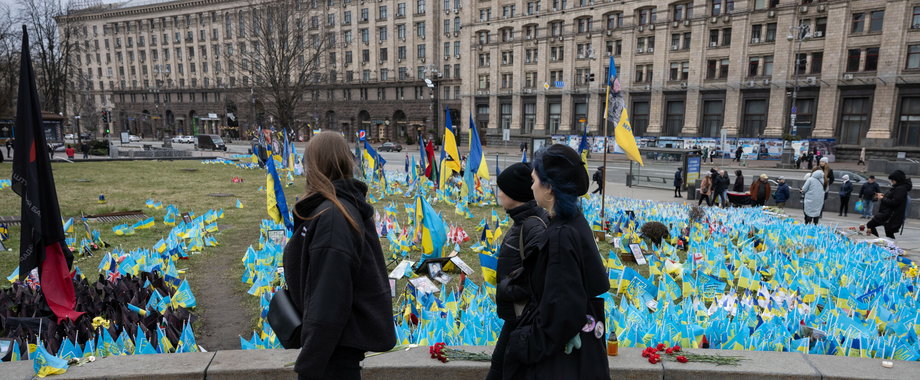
(390, 147)
(69, 136)
(178, 139)
(133, 138)
(212, 142)
(86, 136)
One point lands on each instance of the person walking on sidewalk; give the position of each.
(678, 182)
(84, 147)
(867, 193)
(723, 184)
(738, 153)
(598, 178)
(813, 195)
(759, 190)
(706, 190)
(862, 157)
(782, 193)
(892, 206)
(846, 188)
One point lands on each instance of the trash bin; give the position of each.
(691, 191)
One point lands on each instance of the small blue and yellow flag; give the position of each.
(47, 364)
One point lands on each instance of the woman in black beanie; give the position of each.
(891, 211)
(525, 239)
(560, 333)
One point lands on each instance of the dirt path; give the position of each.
(223, 315)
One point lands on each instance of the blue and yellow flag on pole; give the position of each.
(372, 158)
(431, 229)
(615, 112)
(274, 195)
(477, 160)
(450, 144)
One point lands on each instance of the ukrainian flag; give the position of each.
(489, 264)
(274, 196)
(477, 160)
(615, 111)
(450, 144)
(372, 157)
(431, 228)
(47, 364)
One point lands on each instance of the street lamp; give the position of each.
(159, 71)
(799, 34)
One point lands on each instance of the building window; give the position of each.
(556, 53)
(507, 58)
(507, 80)
(909, 122)
(770, 36)
(817, 61)
(555, 77)
(854, 120)
(613, 20)
(580, 116)
(876, 20)
(554, 117)
(755, 118)
(756, 31)
(530, 56)
(530, 117)
(485, 14)
(530, 79)
(871, 59)
(583, 25)
(556, 28)
(712, 117)
(505, 115)
(754, 66)
(640, 117)
(682, 11)
(915, 19)
(804, 117)
(484, 59)
(646, 16)
(858, 25)
(719, 7)
(853, 56)
(913, 57)
(674, 118)
(679, 71)
(484, 81)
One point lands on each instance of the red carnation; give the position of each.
(669, 351)
(676, 348)
(661, 346)
(682, 359)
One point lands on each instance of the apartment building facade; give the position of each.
(523, 68)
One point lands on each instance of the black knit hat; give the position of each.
(898, 175)
(561, 164)
(515, 182)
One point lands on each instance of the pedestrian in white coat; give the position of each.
(813, 196)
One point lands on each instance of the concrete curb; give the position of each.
(416, 364)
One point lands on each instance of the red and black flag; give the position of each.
(42, 235)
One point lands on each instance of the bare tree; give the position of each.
(283, 61)
(55, 39)
(9, 61)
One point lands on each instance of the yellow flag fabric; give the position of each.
(450, 147)
(270, 199)
(625, 139)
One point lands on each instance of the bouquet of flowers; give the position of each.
(440, 352)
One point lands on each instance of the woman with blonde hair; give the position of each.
(334, 267)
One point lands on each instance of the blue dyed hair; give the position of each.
(566, 205)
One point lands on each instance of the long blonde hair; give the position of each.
(327, 159)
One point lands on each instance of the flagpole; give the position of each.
(604, 165)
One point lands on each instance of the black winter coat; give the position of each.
(565, 278)
(678, 178)
(739, 184)
(337, 278)
(868, 190)
(531, 220)
(893, 206)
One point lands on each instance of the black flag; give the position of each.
(42, 235)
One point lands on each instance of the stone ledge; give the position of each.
(415, 363)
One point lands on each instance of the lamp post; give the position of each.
(797, 34)
(159, 71)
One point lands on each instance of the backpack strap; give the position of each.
(521, 237)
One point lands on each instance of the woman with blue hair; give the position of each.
(561, 333)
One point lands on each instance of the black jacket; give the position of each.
(337, 278)
(718, 184)
(868, 190)
(893, 205)
(739, 184)
(531, 220)
(678, 178)
(565, 278)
